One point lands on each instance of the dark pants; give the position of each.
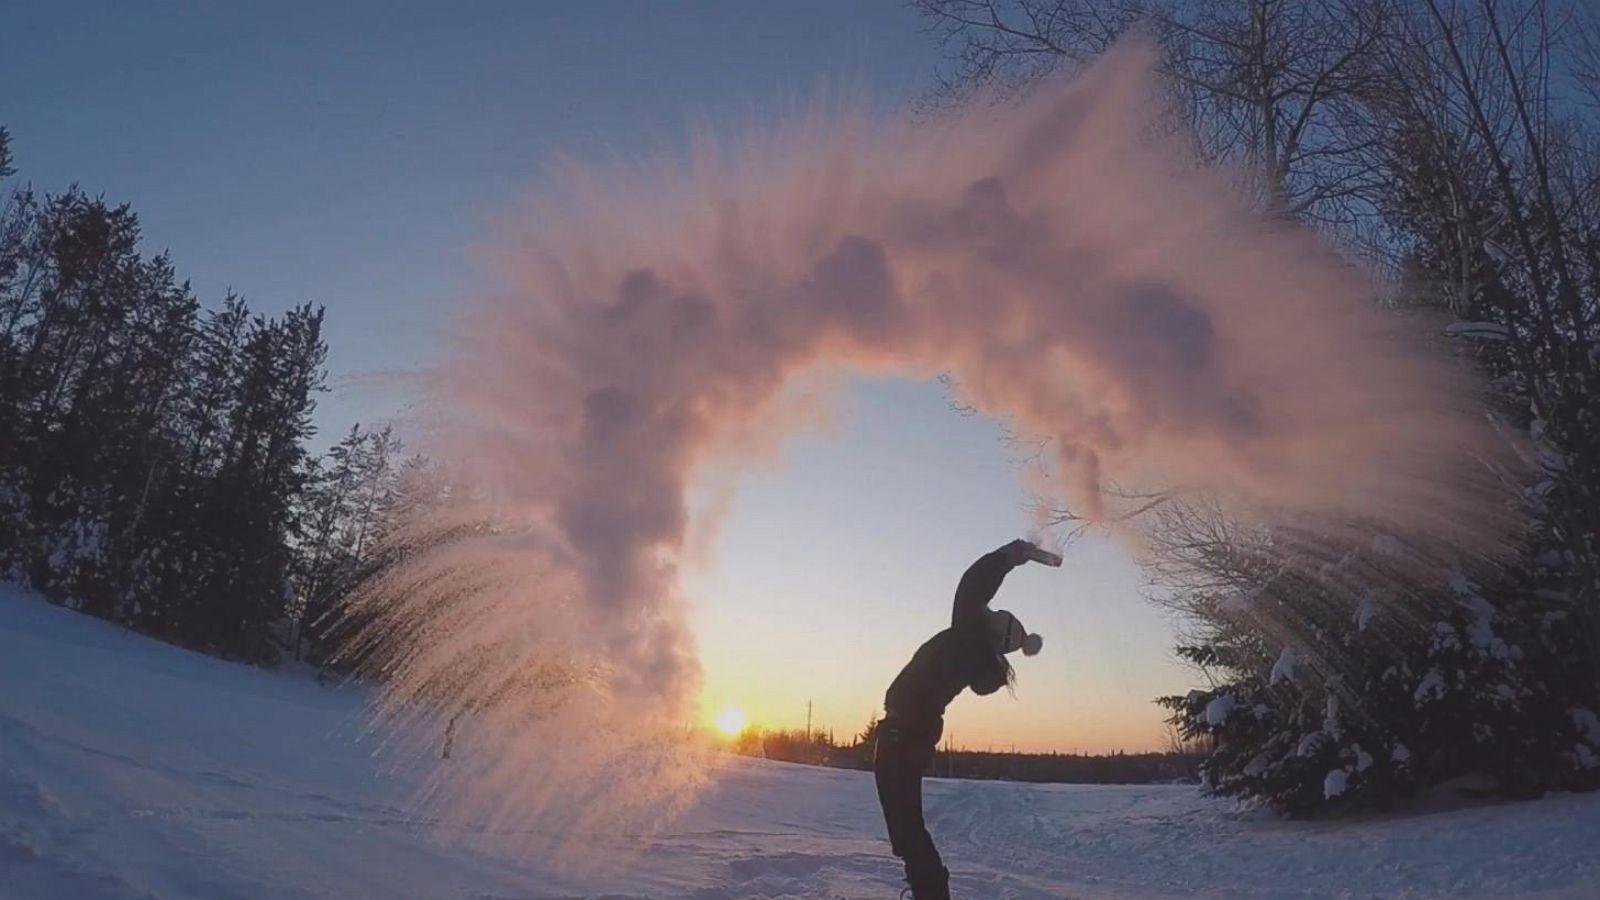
(903, 752)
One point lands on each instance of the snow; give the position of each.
(1482, 331)
(1431, 687)
(1584, 757)
(1482, 629)
(1587, 723)
(1283, 669)
(1258, 764)
(1334, 783)
(1363, 759)
(1366, 610)
(129, 768)
(1220, 707)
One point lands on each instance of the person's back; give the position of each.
(946, 664)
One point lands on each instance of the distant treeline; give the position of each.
(153, 451)
(820, 749)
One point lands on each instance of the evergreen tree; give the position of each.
(348, 509)
(151, 455)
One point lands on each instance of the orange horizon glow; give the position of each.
(732, 721)
(996, 723)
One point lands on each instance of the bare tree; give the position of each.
(1515, 178)
(1263, 83)
(1452, 144)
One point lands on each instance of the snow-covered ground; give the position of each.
(132, 769)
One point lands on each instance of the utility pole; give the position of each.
(808, 721)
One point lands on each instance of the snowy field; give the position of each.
(132, 769)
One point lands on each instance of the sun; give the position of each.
(731, 721)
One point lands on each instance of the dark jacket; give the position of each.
(958, 657)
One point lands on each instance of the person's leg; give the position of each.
(889, 764)
(924, 868)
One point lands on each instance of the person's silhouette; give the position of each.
(968, 654)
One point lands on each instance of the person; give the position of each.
(971, 653)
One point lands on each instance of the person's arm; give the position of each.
(982, 580)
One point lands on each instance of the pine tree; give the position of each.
(151, 455)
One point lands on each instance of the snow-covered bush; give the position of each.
(1365, 711)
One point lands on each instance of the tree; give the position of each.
(151, 455)
(348, 509)
(6, 169)
(249, 518)
(1438, 140)
(1263, 83)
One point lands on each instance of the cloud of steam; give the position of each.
(1064, 258)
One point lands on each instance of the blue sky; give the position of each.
(354, 155)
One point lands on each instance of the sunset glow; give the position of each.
(731, 721)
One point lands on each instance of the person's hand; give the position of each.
(1018, 551)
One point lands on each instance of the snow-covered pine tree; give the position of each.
(1473, 669)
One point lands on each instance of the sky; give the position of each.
(356, 156)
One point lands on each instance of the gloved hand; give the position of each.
(1018, 551)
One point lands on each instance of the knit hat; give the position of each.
(1007, 635)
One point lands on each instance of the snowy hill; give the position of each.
(133, 769)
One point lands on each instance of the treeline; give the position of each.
(1067, 768)
(817, 748)
(1453, 146)
(153, 452)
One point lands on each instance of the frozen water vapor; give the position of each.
(1063, 257)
